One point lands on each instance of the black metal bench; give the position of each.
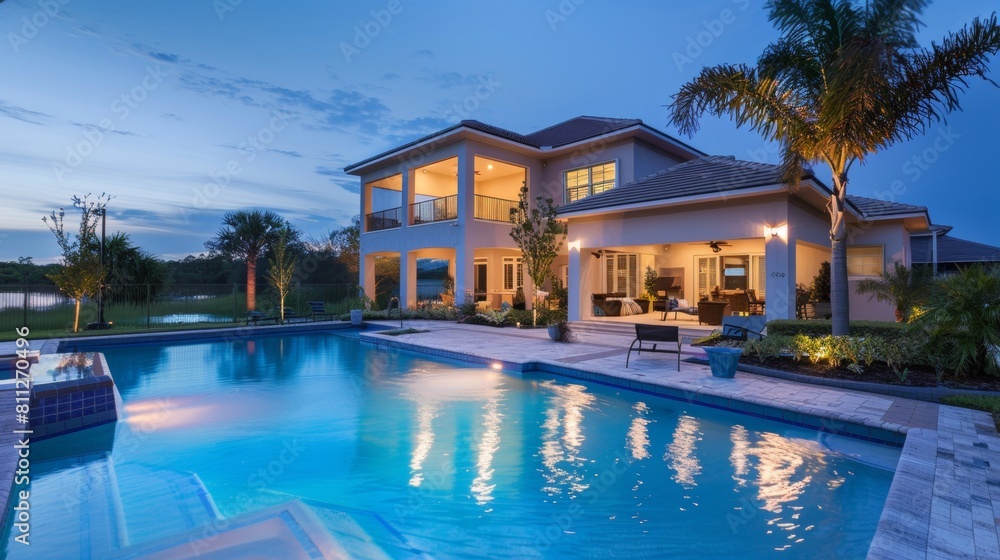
(654, 335)
(319, 311)
(260, 318)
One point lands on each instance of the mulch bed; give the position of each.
(917, 376)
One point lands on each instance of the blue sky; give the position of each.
(186, 110)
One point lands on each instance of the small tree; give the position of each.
(346, 243)
(81, 274)
(247, 234)
(649, 283)
(820, 287)
(903, 287)
(539, 236)
(282, 269)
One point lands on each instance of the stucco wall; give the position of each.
(648, 160)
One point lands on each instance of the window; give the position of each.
(513, 273)
(732, 273)
(621, 273)
(581, 183)
(864, 261)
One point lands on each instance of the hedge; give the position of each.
(814, 328)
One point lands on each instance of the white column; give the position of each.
(367, 274)
(573, 283)
(464, 248)
(779, 259)
(405, 199)
(408, 278)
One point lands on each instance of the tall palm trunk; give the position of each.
(251, 284)
(839, 294)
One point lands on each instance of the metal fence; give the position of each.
(140, 306)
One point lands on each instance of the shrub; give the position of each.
(962, 315)
(792, 327)
(768, 347)
(821, 283)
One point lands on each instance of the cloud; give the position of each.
(172, 116)
(289, 153)
(92, 127)
(447, 80)
(425, 53)
(24, 115)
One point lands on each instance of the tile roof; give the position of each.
(497, 131)
(952, 250)
(875, 208)
(579, 128)
(706, 175)
(566, 132)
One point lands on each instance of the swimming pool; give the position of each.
(396, 453)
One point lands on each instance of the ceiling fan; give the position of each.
(717, 245)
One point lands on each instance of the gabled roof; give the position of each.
(706, 175)
(577, 129)
(952, 250)
(563, 134)
(875, 208)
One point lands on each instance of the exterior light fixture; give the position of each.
(489, 166)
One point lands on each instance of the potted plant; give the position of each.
(357, 308)
(821, 293)
(560, 332)
(448, 295)
(649, 284)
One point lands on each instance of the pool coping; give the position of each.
(939, 503)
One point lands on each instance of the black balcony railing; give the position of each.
(386, 219)
(494, 209)
(434, 210)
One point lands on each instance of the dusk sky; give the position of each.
(160, 103)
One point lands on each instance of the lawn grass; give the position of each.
(989, 403)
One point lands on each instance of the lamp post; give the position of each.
(100, 293)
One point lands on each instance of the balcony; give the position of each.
(386, 219)
(434, 210)
(494, 209)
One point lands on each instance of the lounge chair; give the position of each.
(673, 306)
(319, 311)
(743, 328)
(260, 318)
(656, 334)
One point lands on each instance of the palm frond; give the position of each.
(736, 91)
(932, 78)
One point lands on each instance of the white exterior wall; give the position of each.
(895, 242)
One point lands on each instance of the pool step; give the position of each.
(75, 513)
(288, 531)
(160, 502)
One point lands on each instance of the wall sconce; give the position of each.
(574, 245)
(666, 248)
(774, 231)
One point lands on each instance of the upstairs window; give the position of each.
(586, 181)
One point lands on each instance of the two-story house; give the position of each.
(634, 199)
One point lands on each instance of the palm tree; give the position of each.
(903, 287)
(844, 80)
(246, 235)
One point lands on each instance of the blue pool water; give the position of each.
(453, 460)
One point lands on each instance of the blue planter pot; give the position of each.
(722, 360)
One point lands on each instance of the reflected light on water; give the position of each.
(637, 438)
(426, 412)
(680, 453)
(739, 456)
(781, 476)
(488, 446)
(565, 413)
